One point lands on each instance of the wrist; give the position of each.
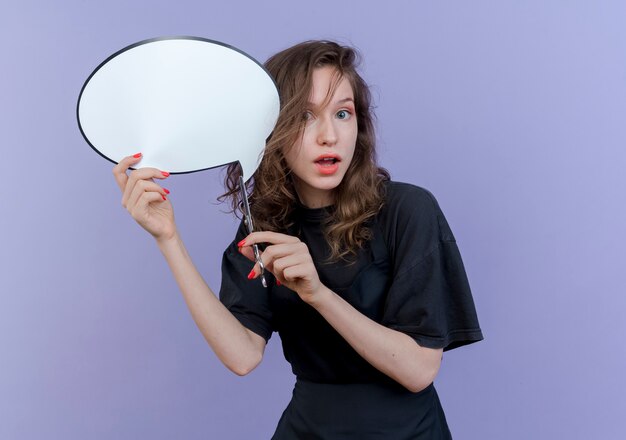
(168, 241)
(322, 297)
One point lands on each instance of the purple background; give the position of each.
(511, 113)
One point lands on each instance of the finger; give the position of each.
(145, 199)
(267, 237)
(247, 252)
(140, 174)
(275, 252)
(142, 186)
(298, 271)
(119, 170)
(280, 265)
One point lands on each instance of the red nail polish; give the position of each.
(251, 274)
(163, 197)
(278, 283)
(241, 243)
(165, 173)
(167, 191)
(137, 155)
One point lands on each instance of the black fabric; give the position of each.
(369, 411)
(429, 298)
(409, 277)
(247, 300)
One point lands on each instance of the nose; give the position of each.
(327, 134)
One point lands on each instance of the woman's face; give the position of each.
(330, 132)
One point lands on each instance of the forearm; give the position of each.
(394, 353)
(234, 345)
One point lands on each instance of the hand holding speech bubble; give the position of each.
(187, 103)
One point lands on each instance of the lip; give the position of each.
(328, 169)
(327, 155)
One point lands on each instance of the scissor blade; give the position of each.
(247, 216)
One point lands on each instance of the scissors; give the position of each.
(247, 219)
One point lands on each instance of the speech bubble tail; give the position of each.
(248, 167)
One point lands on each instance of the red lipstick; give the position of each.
(328, 163)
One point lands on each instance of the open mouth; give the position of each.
(327, 165)
(327, 161)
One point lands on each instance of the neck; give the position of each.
(314, 198)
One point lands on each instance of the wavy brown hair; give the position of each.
(273, 197)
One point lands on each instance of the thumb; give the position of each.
(247, 252)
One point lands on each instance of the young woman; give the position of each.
(366, 286)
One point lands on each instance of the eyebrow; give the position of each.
(341, 101)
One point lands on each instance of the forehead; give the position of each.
(324, 79)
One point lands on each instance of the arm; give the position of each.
(392, 352)
(239, 348)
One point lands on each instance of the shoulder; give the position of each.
(406, 204)
(401, 195)
(412, 214)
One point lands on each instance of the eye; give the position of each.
(307, 116)
(343, 114)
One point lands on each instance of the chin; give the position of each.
(320, 183)
(328, 183)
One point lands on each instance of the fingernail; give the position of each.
(251, 274)
(165, 173)
(137, 155)
(167, 191)
(163, 197)
(241, 243)
(278, 283)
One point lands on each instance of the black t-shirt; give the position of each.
(409, 277)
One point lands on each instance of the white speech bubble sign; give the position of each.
(187, 103)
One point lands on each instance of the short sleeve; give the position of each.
(246, 299)
(430, 297)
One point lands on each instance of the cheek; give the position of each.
(352, 131)
(291, 157)
(353, 136)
